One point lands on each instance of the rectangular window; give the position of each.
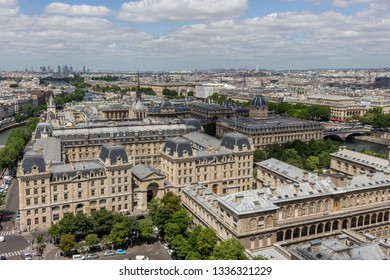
(79, 194)
(35, 200)
(56, 217)
(44, 219)
(28, 212)
(42, 181)
(43, 190)
(54, 188)
(29, 222)
(43, 210)
(35, 211)
(36, 221)
(55, 198)
(65, 187)
(44, 199)
(65, 196)
(35, 182)
(92, 192)
(112, 190)
(27, 191)
(27, 183)
(92, 183)
(101, 191)
(79, 185)
(35, 191)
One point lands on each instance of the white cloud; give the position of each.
(181, 10)
(76, 10)
(9, 8)
(277, 40)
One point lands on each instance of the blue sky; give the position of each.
(194, 34)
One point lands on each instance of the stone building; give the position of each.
(354, 163)
(142, 142)
(48, 190)
(274, 130)
(224, 166)
(290, 206)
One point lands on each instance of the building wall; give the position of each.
(263, 137)
(45, 198)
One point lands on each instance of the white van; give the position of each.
(26, 255)
(141, 257)
(78, 257)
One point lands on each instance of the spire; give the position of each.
(138, 92)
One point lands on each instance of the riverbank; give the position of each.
(374, 140)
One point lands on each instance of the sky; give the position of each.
(176, 35)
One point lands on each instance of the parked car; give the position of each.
(108, 253)
(2, 239)
(92, 256)
(3, 258)
(121, 252)
(78, 257)
(141, 257)
(140, 217)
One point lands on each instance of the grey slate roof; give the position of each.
(43, 127)
(51, 149)
(143, 171)
(73, 169)
(203, 140)
(179, 145)
(113, 152)
(32, 159)
(232, 139)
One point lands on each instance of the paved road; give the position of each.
(14, 242)
(154, 251)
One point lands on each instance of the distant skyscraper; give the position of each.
(83, 69)
(59, 69)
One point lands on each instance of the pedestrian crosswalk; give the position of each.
(7, 232)
(12, 254)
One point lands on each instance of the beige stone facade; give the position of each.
(47, 192)
(342, 108)
(223, 166)
(292, 206)
(269, 131)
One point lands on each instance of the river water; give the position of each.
(4, 134)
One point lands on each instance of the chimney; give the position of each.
(238, 198)
(305, 174)
(385, 246)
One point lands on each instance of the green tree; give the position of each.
(171, 231)
(211, 128)
(67, 242)
(181, 246)
(40, 244)
(292, 157)
(230, 249)
(312, 162)
(92, 240)
(182, 219)
(102, 221)
(67, 225)
(260, 258)
(206, 242)
(259, 155)
(55, 231)
(147, 230)
(119, 233)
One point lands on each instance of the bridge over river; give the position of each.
(344, 133)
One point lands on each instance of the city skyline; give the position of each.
(161, 35)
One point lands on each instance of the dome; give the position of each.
(166, 103)
(259, 102)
